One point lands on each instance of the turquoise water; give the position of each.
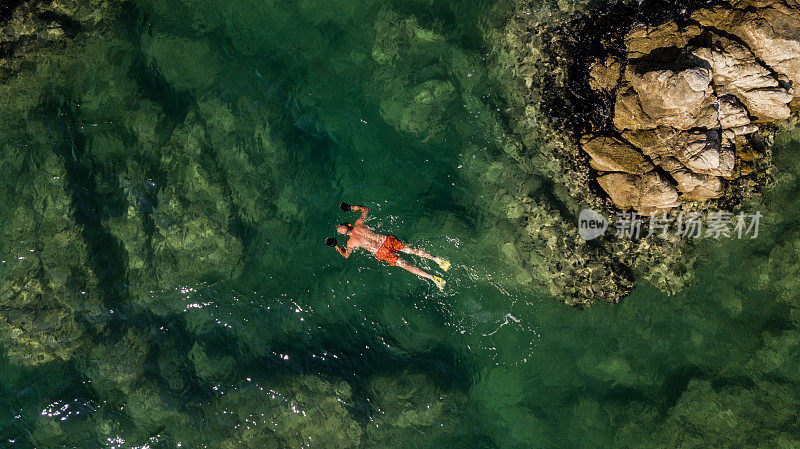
(174, 170)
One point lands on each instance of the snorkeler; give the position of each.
(384, 247)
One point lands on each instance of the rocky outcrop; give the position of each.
(678, 99)
(737, 74)
(643, 40)
(687, 100)
(769, 28)
(612, 154)
(604, 76)
(650, 192)
(674, 113)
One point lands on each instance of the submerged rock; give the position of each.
(170, 56)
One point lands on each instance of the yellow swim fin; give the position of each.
(445, 265)
(439, 282)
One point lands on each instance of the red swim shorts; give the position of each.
(388, 250)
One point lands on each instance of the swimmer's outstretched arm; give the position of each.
(363, 209)
(344, 252)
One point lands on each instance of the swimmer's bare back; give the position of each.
(383, 247)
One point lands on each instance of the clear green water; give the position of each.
(171, 182)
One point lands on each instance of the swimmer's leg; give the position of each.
(411, 268)
(420, 272)
(422, 253)
(417, 252)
